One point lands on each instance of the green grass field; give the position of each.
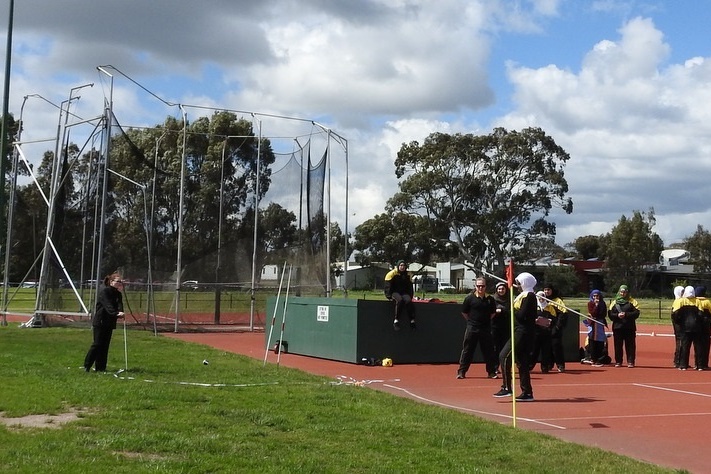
(259, 419)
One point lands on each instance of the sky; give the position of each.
(624, 86)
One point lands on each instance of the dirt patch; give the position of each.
(40, 421)
(142, 456)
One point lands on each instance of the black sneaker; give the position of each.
(412, 324)
(396, 325)
(493, 375)
(502, 393)
(460, 375)
(525, 397)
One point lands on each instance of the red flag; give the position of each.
(510, 274)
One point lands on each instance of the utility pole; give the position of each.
(5, 123)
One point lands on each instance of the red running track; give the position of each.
(652, 412)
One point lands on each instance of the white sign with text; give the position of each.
(322, 313)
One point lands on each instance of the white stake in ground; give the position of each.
(283, 316)
(125, 349)
(125, 344)
(276, 307)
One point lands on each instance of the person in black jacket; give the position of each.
(596, 323)
(478, 309)
(525, 312)
(398, 287)
(686, 314)
(704, 330)
(109, 308)
(542, 343)
(560, 319)
(623, 314)
(501, 322)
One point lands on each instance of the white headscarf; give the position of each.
(678, 292)
(689, 292)
(526, 281)
(542, 302)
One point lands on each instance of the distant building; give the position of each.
(270, 273)
(361, 278)
(673, 258)
(589, 273)
(458, 274)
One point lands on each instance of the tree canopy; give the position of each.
(390, 237)
(631, 248)
(586, 247)
(492, 192)
(699, 246)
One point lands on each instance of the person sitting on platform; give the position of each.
(398, 287)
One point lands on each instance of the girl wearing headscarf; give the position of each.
(542, 344)
(685, 313)
(623, 314)
(597, 312)
(560, 317)
(678, 292)
(399, 288)
(501, 321)
(704, 335)
(525, 312)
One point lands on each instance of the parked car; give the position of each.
(424, 283)
(446, 287)
(191, 284)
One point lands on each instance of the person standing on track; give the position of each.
(560, 318)
(109, 308)
(704, 334)
(623, 314)
(542, 336)
(678, 330)
(597, 311)
(501, 321)
(525, 311)
(685, 313)
(478, 309)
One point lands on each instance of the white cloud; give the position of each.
(634, 128)
(422, 60)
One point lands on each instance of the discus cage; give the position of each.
(199, 213)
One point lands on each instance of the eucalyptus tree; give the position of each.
(699, 247)
(493, 192)
(586, 247)
(631, 249)
(393, 236)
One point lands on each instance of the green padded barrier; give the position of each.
(351, 330)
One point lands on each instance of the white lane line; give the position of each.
(686, 392)
(469, 410)
(612, 417)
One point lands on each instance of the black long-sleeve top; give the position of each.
(108, 306)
